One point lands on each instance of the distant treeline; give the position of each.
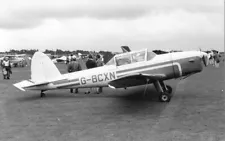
(23, 51)
(47, 51)
(107, 54)
(66, 52)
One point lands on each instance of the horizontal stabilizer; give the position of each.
(37, 84)
(28, 84)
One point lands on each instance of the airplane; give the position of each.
(60, 59)
(83, 56)
(124, 70)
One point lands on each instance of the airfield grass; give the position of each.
(195, 113)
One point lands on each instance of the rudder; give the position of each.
(43, 69)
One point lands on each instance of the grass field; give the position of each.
(195, 113)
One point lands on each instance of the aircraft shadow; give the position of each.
(130, 94)
(117, 102)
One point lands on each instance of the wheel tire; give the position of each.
(164, 97)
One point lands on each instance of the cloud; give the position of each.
(107, 25)
(19, 23)
(30, 14)
(177, 29)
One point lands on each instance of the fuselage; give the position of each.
(173, 65)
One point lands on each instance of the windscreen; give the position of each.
(111, 62)
(150, 55)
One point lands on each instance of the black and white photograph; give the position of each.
(112, 70)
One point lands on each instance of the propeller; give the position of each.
(204, 57)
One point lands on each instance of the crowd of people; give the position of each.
(214, 58)
(70, 58)
(74, 65)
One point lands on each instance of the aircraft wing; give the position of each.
(135, 80)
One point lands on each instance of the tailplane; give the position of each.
(43, 69)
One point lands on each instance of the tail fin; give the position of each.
(43, 69)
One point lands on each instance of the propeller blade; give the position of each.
(205, 58)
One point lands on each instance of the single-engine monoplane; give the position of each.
(124, 70)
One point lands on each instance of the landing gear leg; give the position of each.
(166, 88)
(165, 91)
(146, 87)
(42, 93)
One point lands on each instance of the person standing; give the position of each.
(70, 58)
(6, 68)
(216, 59)
(73, 67)
(211, 61)
(67, 60)
(73, 56)
(99, 63)
(90, 64)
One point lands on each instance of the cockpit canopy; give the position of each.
(131, 57)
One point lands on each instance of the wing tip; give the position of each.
(20, 88)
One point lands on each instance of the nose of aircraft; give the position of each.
(192, 61)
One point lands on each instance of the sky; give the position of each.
(109, 24)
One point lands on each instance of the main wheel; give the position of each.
(164, 97)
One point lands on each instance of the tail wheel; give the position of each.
(164, 97)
